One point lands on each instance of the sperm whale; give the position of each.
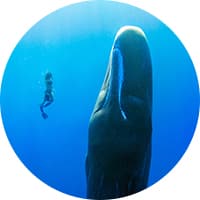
(120, 127)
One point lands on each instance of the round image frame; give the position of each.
(11, 143)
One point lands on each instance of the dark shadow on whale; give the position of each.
(120, 127)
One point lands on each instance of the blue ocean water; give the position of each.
(74, 44)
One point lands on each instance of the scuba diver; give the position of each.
(48, 95)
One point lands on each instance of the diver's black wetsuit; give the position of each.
(48, 96)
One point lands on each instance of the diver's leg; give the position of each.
(47, 104)
(44, 115)
(41, 108)
(43, 105)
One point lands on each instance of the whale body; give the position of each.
(120, 128)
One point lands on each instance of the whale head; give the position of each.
(129, 74)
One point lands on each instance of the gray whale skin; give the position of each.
(120, 128)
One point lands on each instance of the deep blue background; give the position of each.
(74, 43)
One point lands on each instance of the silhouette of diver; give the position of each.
(48, 95)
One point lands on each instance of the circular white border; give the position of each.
(16, 17)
